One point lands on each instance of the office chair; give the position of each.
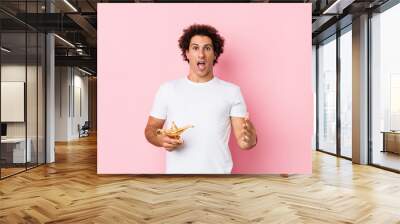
(84, 130)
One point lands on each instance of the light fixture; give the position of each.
(80, 51)
(64, 40)
(70, 5)
(337, 7)
(84, 71)
(5, 50)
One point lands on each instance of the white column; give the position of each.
(50, 93)
(360, 90)
(50, 100)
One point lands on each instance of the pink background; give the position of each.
(267, 53)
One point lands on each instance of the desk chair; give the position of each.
(84, 130)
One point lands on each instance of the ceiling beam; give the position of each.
(85, 61)
(86, 26)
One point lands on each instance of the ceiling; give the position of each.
(76, 22)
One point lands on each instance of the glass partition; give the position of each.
(385, 89)
(13, 105)
(41, 85)
(22, 77)
(32, 95)
(327, 95)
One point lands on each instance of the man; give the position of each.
(200, 99)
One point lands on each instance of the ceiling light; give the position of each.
(84, 71)
(5, 50)
(64, 40)
(70, 5)
(338, 6)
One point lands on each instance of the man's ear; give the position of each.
(186, 54)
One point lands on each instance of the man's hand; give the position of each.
(248, 137)
(169, 144)
(244, 131)
(153, 124)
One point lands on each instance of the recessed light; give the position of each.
(70, 5)
(337, 7)
(84, 71)
(64, 40)
(5, 50)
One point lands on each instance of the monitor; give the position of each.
(3, 129)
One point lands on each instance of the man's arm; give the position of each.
(244, 131)
(150, 132)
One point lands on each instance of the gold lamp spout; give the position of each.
(174, 131)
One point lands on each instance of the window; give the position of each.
(385, 88)
(327, 95)
(346, 92)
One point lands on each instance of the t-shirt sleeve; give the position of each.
(159, 109)
(238, 108)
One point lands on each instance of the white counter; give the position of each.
(19, 149)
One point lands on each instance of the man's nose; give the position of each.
(201, 54)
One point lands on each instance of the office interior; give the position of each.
(49, 92)
(48, 77)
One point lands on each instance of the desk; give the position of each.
(15, 148)
(391, 141)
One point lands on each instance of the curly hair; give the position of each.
(202, 30)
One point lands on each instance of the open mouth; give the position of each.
(201, 65)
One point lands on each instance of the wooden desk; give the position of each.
(391, 141)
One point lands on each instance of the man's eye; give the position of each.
(208, 48)
(194, 48)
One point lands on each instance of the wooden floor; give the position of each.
(387, 159)
(5, 172)
(70, 191)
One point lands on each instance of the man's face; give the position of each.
(201, 55)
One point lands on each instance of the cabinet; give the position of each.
(391, 141)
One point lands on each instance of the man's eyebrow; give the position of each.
(204, 44)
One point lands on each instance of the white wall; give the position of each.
(12, 73)
(62, 81)
(71, 94)
(81, 102)
(15, 72)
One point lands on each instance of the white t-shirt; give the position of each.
(208, 106)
